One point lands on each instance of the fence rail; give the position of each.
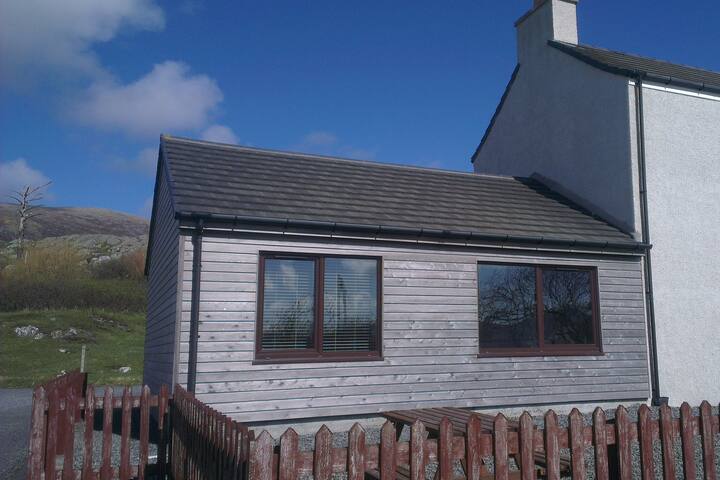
(612, 442)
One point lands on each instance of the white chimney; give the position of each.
(548, 20)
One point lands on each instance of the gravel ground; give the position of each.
(115, 455)
(15, 406)
(372, 436)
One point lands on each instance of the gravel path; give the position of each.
(372, 436)
(115, 455)
(15, 406)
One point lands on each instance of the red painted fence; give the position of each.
(205, 443)
(195, 442)
(53, 435)
(612, 442)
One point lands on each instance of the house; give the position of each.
(286, 286)
(635, 141)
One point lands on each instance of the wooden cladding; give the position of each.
(611, 440)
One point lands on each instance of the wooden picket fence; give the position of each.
(205, 443)
(612, 442)
(73, 383)
(195, 442)
(52, 434)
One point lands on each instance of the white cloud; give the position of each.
(16, 175)
(220, 134)
(50, 38)
(145, 162)
(167, 99)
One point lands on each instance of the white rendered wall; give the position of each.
(570, 123)
(682, 138)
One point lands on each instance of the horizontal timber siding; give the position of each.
(162, 292)
(430, 338)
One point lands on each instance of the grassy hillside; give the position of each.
(61, 221)
(79, 282)
(113, 340)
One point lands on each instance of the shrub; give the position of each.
(130, 266)
(23, 293)
(60, 278)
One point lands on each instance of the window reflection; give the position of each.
(507, 306)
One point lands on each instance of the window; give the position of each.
(531, 310)
(318, 307)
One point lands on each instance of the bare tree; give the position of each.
(27, 208)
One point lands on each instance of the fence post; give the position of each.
(445, 448)
(356, 453)
(667, 437)
(162, 435)
(261, 457)
(473, 460)
(125, 435)
(88, 437)
(600, 439)
(552, 447)
(577, 444)
(622, 440)
(647, 468)
(688, 442)
(287, 469)
(501, 447)
(417, 451)
(68, 472)
(106, 468)
(706, 430)
(38, 428)
(52, 433)
(144, 430)
(388, 460)
(526, 447)
(322, 467)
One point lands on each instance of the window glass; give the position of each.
(350, 304)
(567, 301)
(288, 304)
(506, 307)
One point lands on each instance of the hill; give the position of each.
(98, 234)
(62, 221)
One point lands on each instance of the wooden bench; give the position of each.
(459, 418)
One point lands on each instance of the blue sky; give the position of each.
(87, 87)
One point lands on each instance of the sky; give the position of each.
(87, 87)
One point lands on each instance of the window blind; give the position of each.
(350, 305)
(288, 304)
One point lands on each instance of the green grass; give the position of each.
(118, 342)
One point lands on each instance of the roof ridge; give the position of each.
(629, 54)
(313, 156)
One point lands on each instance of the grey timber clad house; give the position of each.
(635, 141)
(287, 286)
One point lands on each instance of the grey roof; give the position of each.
(243, 184)
(636, 66)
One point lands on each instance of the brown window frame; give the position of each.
(542, 349)
(314, 354)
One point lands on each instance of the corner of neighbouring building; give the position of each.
(564, 120)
